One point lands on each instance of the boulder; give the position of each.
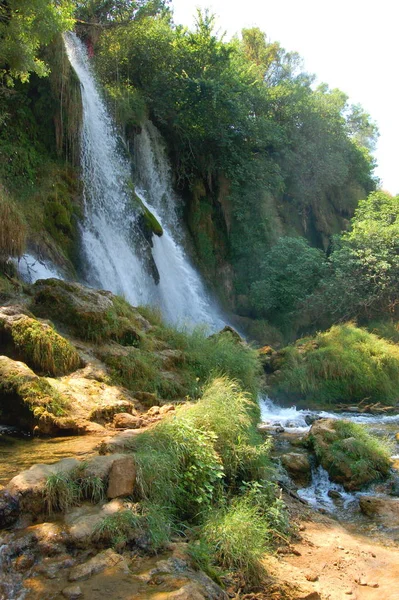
(37, 344)
(298, 467)
(385, 510)
(348, 453)
(72, 592)
(90, 314)
(29, 401)
(127, 421)
(99, 563)
(122, 477)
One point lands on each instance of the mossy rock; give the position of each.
(345, 364)
(149, 221)
(351, 455)
(38, 345)
(29, 401)
(89, 314)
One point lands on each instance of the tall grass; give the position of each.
(344, 364)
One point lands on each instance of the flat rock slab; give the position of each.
(97, 564)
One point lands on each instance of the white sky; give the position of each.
(349, 44)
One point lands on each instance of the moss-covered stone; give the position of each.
(90, 314)
(345, 364)
(30, 401)
(349, 453)
(37, 344)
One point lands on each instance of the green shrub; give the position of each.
(238, 535)
(43, 348)
(244, 454)
(177, 467)
(351, 455)
(343, 364)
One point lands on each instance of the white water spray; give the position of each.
(114, 249)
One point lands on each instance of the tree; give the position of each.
(290, 272)
(26, 26)
(364, 268)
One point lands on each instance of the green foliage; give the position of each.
(344, 364)
(61, 492)
(364, 267)
(43, 348)
(26, 26)
(183, 461)
(193, 479)
(244, 112)
(197, 358)
(290, 271)
(238, 534)
(202, 555)
(244, 454)
(353, 455)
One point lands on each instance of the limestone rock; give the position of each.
(298, 467)
(83, 521)
(26, 399)
(72, 592)
(385, 510)
(122, 477)
(97, 564)
(127, 421)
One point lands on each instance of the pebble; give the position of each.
(72, 592)
(348, 592)
(311, 576)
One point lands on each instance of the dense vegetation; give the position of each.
(341, 365)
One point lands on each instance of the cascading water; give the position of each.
(114, 249)
(180, 289)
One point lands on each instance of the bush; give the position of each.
(44, 349)
(244, 454)
(238, 535)
(344, 364)
(191, 469)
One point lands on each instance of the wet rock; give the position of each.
(385, 510)
(9, 509)
(310, 419)
(24, 562)
(28, 487)
(26, 399)
(51, 568)
(127, 421)
(122, 477)
(72, 592)
(334, 494)
(90, 314)
(97, 564)
(298, 466)
(280, 429)
(191, 591)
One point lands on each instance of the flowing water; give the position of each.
(115, 251)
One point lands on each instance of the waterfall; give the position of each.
(117, 255)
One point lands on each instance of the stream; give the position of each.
(322, 494)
